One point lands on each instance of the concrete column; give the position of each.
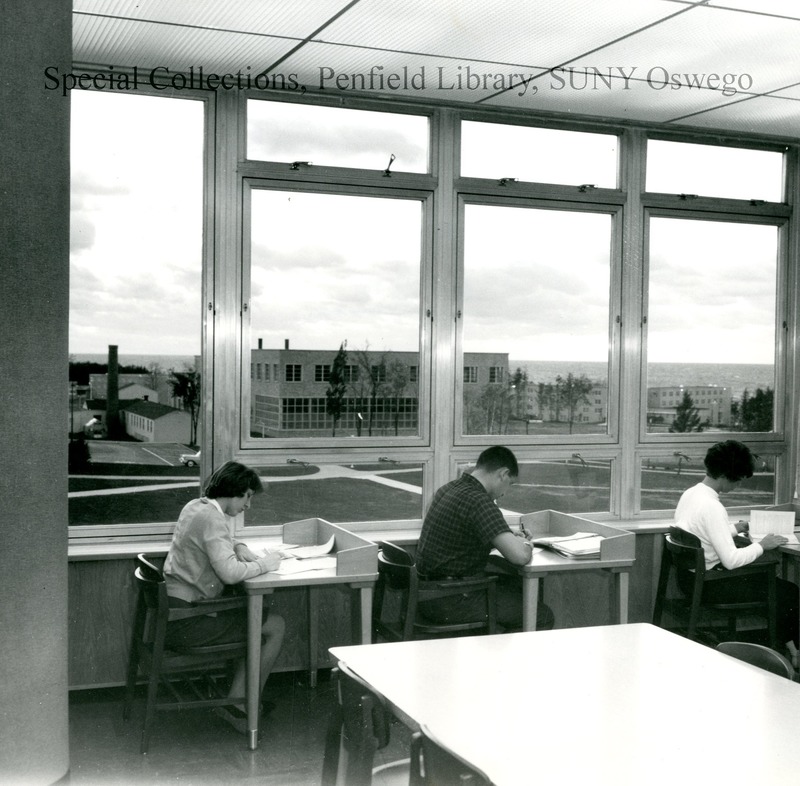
(34, 300)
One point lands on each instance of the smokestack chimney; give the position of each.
(261, 343)
(286, 343)
(112, 394)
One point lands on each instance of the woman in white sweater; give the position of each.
(700, 512)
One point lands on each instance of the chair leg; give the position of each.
(333, 741)
(130, 682)
(772, 604)
(154, 678)
(694, 609)
(661, 589)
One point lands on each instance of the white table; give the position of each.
(623, 705)
(267, 583)
(544, 562)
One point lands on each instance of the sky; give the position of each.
(325, 268)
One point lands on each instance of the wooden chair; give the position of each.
(758, 655)
(185, 673)
(684, 552)
(359, 727)
(397, 575)
(433, 764)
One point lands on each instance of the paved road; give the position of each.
(160, 453)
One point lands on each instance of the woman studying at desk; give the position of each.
(700, 512)
(204, 559)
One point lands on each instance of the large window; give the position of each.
(382, 490)
(335, 283)
(607, 304)
(536, 321)
(711, 326)
(135, 302)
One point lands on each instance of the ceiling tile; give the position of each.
(533, 33)
(760, 115)
(755, 48)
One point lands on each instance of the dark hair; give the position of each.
(498, 457)
(730, 459)
(233, 479)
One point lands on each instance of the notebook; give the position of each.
(580, 545)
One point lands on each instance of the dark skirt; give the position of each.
(222, 627)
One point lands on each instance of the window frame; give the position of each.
(439, 448)
(538, 199)
(248, 445)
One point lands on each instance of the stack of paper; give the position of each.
(291, 565)
(581, 545)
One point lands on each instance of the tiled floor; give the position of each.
(195, 747)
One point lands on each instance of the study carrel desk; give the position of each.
(617, 555)
(356, 567)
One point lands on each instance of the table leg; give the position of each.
(365, 597)
(530, 602)
(254, 615)
(313, 635)
(620, 596)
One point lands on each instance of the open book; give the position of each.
(776, 522)
(307, 552)
(580, 545)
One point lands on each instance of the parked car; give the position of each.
(190, 459)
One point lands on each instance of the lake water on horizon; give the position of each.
(736, 376)
(167, 362)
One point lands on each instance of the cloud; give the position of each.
(81, 233)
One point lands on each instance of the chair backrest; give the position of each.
(395, 554)
(397, 575)
(758, 655)
(360, 724)
(149, 568)
(685, 550)
(153, 603)
(434, 764)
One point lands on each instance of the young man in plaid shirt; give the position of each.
(462, 526)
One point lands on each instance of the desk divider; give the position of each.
(354, 555)
(616, 544)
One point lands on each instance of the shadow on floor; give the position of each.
(196, 747)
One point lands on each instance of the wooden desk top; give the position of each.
(272, 581)
(623, 705)
(545, 561)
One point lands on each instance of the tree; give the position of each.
(495, 401)
(156, 376)
(544, 399)
(368, 385)
(757, 412)
(519, 384)
(396, 381)
(687, 416)
(574, 392)
(334, 395)
(185, 385)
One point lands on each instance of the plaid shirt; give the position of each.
(458, 530)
